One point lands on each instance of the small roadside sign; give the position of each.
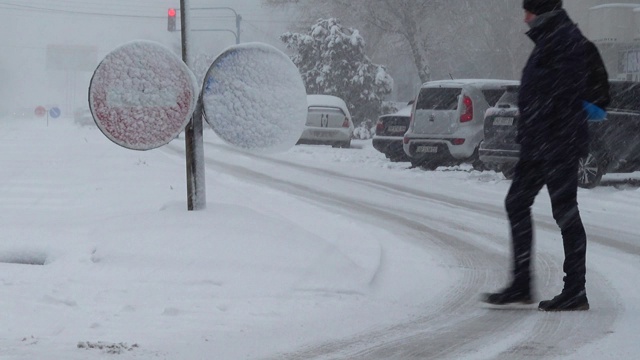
(40, 111)
(55, 112)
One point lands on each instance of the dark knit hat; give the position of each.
(541, 6)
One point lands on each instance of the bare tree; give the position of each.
(488, 39)
(442, 38)
(403, 20)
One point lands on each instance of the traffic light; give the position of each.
(171, 20)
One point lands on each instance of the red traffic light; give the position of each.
(171, 20)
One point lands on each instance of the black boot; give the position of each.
(568, 300)
(513, 294)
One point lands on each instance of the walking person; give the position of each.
(553, 136)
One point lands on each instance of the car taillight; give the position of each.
(345, 123)
(405, 140)
(379, 127)
(467, 114)
(457, 141)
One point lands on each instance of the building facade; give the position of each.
(615, 29)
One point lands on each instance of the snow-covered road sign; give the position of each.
(254, 98)
(142, 95)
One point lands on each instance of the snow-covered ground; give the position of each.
(315, 253)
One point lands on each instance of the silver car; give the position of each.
(328, 122)
(447, 121)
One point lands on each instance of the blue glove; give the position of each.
(594, 112)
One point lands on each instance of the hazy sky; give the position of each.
(30, 26)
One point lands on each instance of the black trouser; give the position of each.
(561, 178)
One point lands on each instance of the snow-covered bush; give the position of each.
(365, 130)
(332, 61)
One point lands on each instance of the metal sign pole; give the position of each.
(196, 190)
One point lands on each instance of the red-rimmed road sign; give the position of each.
(142, 95)
(40, 111)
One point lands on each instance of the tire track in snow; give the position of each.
(451, 313)
(454, 327)
(595, 234)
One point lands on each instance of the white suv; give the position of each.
(447, 121)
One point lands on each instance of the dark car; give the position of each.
(390, 131)
(499, 150)
(614, 144)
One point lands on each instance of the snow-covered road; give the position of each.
(455, 223)
(315, 253)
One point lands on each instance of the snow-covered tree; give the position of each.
(332, 61)
(424, 40)
(396, 23)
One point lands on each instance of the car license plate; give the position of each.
(427, 149)
(397, 128)
(323, 134)
(503, 121)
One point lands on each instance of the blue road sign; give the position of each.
(54, 112)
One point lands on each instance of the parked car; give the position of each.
(614, 144)
(328, 122)
(499, 151)
(390, 130)
(447, 121)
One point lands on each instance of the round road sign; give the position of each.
(54, 112)
(142, 95)
(254, 98)
(40, 111)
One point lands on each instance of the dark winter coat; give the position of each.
(553, 123)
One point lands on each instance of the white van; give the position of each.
(447, 121)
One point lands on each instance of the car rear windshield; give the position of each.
(327, 109)
(492, 95)
(625, 96)
(509, 98)
(438, 99)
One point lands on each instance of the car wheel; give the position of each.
(416, 163)
(590, 171)
(429, 164)
(478, 165)
(508, 172)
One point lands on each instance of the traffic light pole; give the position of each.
(171, 21)
(238, 21)
(194, 144)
